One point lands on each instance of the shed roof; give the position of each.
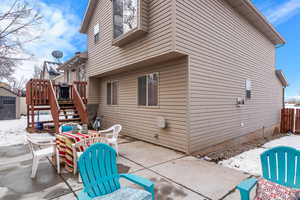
(8, 90)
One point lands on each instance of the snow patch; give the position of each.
(249, 161)
(13, 132)
(3, 191)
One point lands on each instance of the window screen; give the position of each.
(112, 92)
(148, 90)
(108, 92)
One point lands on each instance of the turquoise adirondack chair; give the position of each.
(280, 165)
(100, 177)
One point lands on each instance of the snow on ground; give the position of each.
(249, 161)
(13, 132)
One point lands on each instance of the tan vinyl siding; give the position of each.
(104, 57)
(140, 122)
(224, 50)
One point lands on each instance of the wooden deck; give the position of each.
(43, 95)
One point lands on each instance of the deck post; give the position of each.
(32, 117)
(28, 116)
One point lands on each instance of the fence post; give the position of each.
(294, 120)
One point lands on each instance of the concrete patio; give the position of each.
(176, 175)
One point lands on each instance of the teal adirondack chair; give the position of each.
(280, 165)
(100, 177)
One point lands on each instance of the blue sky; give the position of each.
(63, 18)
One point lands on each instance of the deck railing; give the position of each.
(80, 106)
(81, 88)
(37, 92)
(55, 109)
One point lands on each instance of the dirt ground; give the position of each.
(231, 151)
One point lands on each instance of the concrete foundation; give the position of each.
(258, 134)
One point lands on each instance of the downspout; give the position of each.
(283, 88)
(279, 46)
(283, 97)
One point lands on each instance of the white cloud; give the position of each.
(59, 31)
(283, 12)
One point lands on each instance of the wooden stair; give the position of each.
(69, 112)
(44, 95)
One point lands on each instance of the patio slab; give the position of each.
(235, 195)
(164, 189)
(16, 183)
(147, 154)
(206, 178)
(124, 166)
(70, 196)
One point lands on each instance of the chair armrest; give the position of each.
(145, 183)
(105, 131)
(245, 187)
(109, 135)
(46, 144)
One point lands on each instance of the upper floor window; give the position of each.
(148, 90)
(112, 92)
(248, 89)
(96, 33)
(124, 16)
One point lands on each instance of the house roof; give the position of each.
(244, 7)
(5, 88)
(88, 15)
(77, 60)
(282, 77)
(251, 13)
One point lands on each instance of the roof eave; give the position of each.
(254, 16)
(87, 16)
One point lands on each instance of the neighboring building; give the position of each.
(74, 68)
(183, 74)
(50, 70)
(59, 79)
(9, 104)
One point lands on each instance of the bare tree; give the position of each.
(18, 85)
(130, 13)
(15, 26)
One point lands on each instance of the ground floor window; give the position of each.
(148, 90)
(112, 92)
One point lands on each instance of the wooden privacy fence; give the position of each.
(290, 120)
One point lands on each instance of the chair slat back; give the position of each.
(85, 143)
(98, 170)
(116, 130)
(282, 165)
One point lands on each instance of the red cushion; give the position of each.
(267, 190)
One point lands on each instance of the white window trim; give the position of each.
(147, 88)
(111, 92)
(96, 32)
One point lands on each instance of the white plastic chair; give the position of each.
(38, 154)
(70, 124)
(111, 135)
(82, 146)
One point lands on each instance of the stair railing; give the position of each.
(80, 106)
(81, 89)
(55, 109)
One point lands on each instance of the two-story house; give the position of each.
(183, 74)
